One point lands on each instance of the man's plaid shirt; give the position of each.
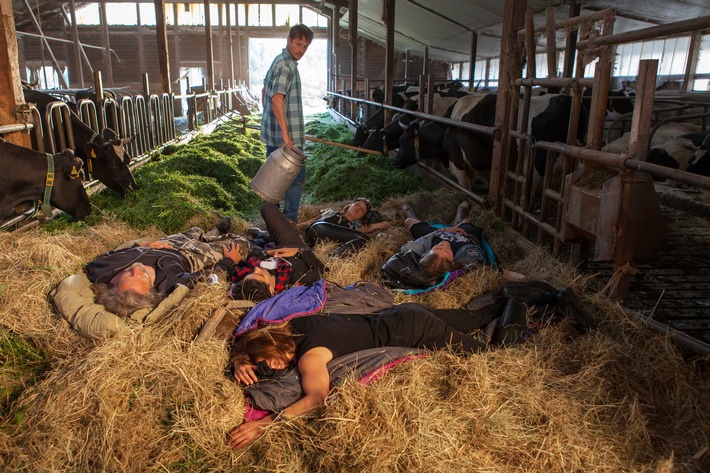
(283, 78)
(283, 271)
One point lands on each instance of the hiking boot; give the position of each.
(252, 232)
(512, 324)
(408, 212)
(568, 305)
(462, 212)
(224, 225)
(530, 292)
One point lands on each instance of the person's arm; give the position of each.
(157, 245)
(309, 221)
(315, 381)
(278, 101)
(365, 228)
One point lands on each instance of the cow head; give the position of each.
(406, 154)
(110, 160)
(68, 192)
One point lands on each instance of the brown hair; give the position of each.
(124, 303)
(251, 290)
(265, 342)
(301, 31)
(435, 265)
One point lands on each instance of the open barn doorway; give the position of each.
(312, 68)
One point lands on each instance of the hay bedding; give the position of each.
(618, 399)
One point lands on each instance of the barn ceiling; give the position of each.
(443, 25)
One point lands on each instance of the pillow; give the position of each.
(74, 299)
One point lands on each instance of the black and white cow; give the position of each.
(470, 153)
(25, 179)
(108, 157)
(687, 152)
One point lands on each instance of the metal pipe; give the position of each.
(554, 82)
(493, 131)
(4, 129)
(576, 21)
(677, 336)
(455, 185)
(653, 32)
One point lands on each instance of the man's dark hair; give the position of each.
(301, 31)
(251, 290)
(124, 303)
(435, 265)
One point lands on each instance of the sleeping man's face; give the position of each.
(138, 277)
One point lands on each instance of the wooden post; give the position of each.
(230, 47)
(425, 61)
(162, 37)
(175, 63)
(472, 59)
(208, 47)
(353, 58)
(240, 66)
(551, 34)
(11, 95)
(220, 43)
(638, 203)
(336, 43)
(44, 42)
(510, 67)
(78, 66)
(691, 65)
(141, 46)
(106, 43)
(600, 94)
(406, 65)
(571, 44)
(388, 7)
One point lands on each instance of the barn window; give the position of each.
(702, 68)
(287, 15)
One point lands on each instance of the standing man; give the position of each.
(282, 122)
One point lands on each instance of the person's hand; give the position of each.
(232, 251)
(282, 252)
(245, 374)
(512, 275)
(288, 142)
(238, 437)
(157, 245)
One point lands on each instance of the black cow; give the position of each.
(374, 122)
(552, 124)
(389, 135)
(108, 155)
(430, 140)
(25, 180)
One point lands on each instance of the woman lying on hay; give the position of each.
(319, 345)
(349, 226)
(439, 254)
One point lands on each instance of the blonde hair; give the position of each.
(436, 265)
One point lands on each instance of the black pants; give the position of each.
(283, 234)
(418, 326)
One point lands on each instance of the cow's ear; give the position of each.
(125, 141)
(71, 165)
(91, 150)
(109, 135)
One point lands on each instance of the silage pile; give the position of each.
(617, 399)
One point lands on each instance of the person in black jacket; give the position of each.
(290, 263)
(140, 274)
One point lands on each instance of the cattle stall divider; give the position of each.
(575, 212)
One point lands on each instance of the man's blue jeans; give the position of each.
(292, 200)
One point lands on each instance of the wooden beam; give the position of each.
(106, 43)
(230, 47)
(352, 25)
(55, 64)
(78, 66)
(388, 7)
(208, 47)
(571, 44)
(162, 37)
(510, 67)
(141, 45)
(472, 59)
(11, 94)
(691, 65)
